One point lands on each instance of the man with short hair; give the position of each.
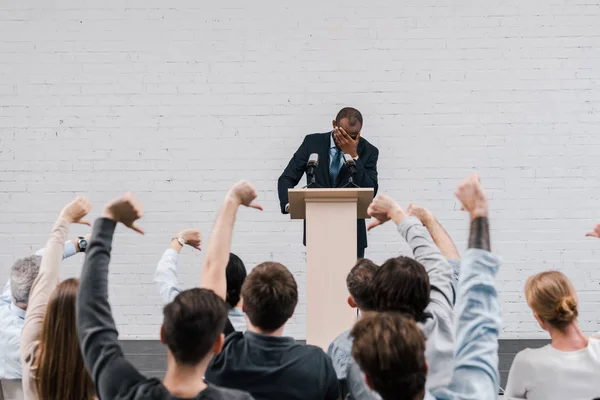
(262, 361)
(390, 348)
(358, 283)
(345, 138)
(191, 330)
(13, 305)
(422, 288)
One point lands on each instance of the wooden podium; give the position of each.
(331, 216)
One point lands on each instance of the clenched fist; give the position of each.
(76, 210)
(192, 237)
(473, 198)
(383, 208)
(424, 215)
(243, 193)
(126, 210)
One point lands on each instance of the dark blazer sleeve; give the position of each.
(366, 170)
(292, 174)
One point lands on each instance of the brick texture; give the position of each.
(177, 101)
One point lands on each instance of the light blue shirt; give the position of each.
(333, 150)
(169, 287)
(12, 319)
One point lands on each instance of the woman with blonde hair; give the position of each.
(569, 367)
(53, 367)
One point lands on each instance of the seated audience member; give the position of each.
(569, 367)
(390, 347)
(262, 361)
(169, 287)
(192, 327)
(422, 288)
(50, 353)
(13, 304)
(357, 282)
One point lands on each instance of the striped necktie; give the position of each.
(335, 167)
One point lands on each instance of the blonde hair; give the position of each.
(552, 297)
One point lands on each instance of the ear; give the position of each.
(243, 307)
(540, 321)
(426, 367)
(368, 382)
(163, 338)
(351, 302)
(218, 346)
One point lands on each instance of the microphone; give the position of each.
(351, 165)
(311, 166)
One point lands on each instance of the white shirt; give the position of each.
(550, 374)
(12, 319)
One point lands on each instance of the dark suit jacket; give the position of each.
(366, 172)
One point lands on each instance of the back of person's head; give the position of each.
(358, 282)
(269, 295)
(552, 298)
(401, 284)
(390, 349)
(22, 274)
(60, 371)
(193, 325)
(236, 274)
(355, 118)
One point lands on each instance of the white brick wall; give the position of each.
(176, 100)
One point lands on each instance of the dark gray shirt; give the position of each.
(114, 377)
(274, 368)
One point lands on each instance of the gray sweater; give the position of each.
(114, 377)
(439, 328)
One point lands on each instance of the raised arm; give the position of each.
(96, 330)
(47, 278)
(292, 175)
(424, 249)
(166, 270)
(71, 248)
(219, 244)
(476, 374)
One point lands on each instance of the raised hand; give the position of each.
(383, 208)
(243, 193)
(344, 141)
(424, 215)
(473, 198)
(192, 237)
(126, 210)
(76, 210)
(595, 233)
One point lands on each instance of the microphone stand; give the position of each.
(352, 169)
(310, 175)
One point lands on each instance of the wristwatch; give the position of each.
(82, 244)
(181, 241)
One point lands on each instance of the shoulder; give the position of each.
(525, 358)
(368, 145)
(315, 137)
(229, 394)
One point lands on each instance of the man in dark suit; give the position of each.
(331, 172)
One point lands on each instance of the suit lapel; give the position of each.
(323, 168)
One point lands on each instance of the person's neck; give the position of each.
(185, 381)
(569, 339)
(276, 333)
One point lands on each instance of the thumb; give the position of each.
(592, 234)
(255, 205)
(373, 224)
(137, 229)
(84, 222)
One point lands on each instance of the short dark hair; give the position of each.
(354, 116)
(235, 274)
(358, 282)
(390, 349)
(401, 284)
(270, 295)
(192, 324)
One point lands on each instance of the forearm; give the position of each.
(45, 282)
(442, 239)
(219, 247)
(98, 336)
(479, 238)
(70, 249)
(166, 274)
(426, 252)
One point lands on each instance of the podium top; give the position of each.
(299, 197)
